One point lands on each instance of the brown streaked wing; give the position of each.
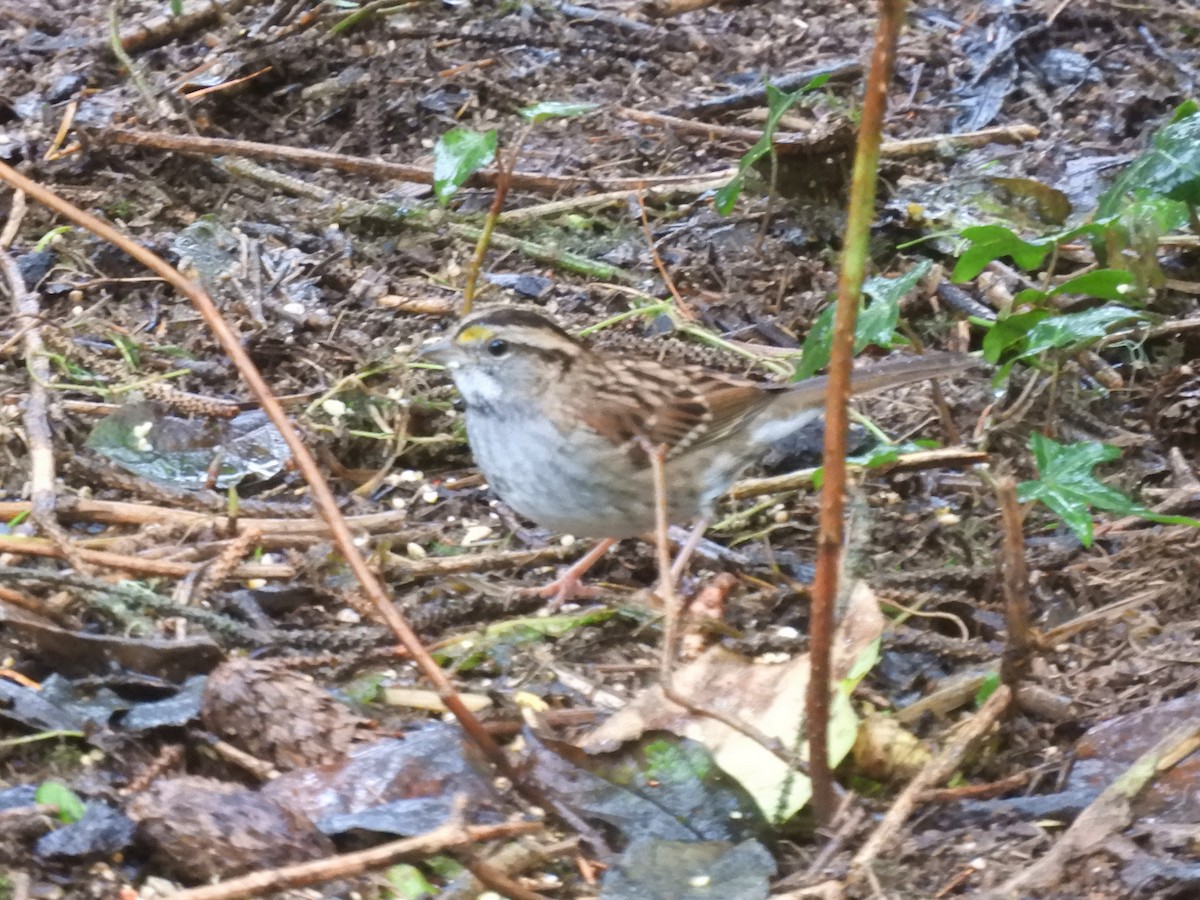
(731, 401)
(682, 408)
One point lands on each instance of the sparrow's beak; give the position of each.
(442, 352)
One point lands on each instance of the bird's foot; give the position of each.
(569, 585)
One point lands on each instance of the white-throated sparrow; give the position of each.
(560, 431)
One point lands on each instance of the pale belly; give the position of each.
(547, 477)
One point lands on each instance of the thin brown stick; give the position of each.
(1006, 134)
(162, 29)
(1018, 643)
(530, 181)
(936, 771)
(500, 882)
(684, 309)
(907, 462)
(136, 565)
(12, 225)
(833, 501)
(349, 864)
(116, 512)
(662, 546)
(558, 207)
(322, 495)
(39, 439)
(674, 614)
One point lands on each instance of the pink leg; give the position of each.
(569, 585)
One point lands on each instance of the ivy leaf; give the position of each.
(875, 324)
(1009, 332)
(1169, 168)
(1071, 329)
(877, 321)
(1104, 284)
(459, 154)
(1067, 486)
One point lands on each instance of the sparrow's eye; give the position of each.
(498, 347)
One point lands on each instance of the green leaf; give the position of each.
(1104, 284)
(407, 882)
(1071, 329)
(814, 356)
(877, 321)
(874, 325)
(1067, 486)
(459, 154)
(987, 687)
(778, 103)
(992, 242)
(1169, 168)
(1010, 331)
(555, 109)
(55, 793)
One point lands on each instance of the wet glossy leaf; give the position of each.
(877, 319)
(1072, 329)
(99, 832)
(660, 784)
(1010, 331)
(190, 453)
(1169, 168)
(652, 868)
(457, 155)
(555, 109)
(1068, 487)
(55, 793)
(874, 325)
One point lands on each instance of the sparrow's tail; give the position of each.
(806, 399)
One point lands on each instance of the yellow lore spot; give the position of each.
(474, 335)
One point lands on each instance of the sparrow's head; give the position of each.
(505, 353)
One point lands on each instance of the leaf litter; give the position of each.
(304, 263)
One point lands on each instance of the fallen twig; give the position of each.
(1107, 814)
(115, 512)
(27, 314)
(135, 565)
(934, 143)
(346, 865)
(908, 462)
(936, 771)
(322, 495)
(526, 181)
